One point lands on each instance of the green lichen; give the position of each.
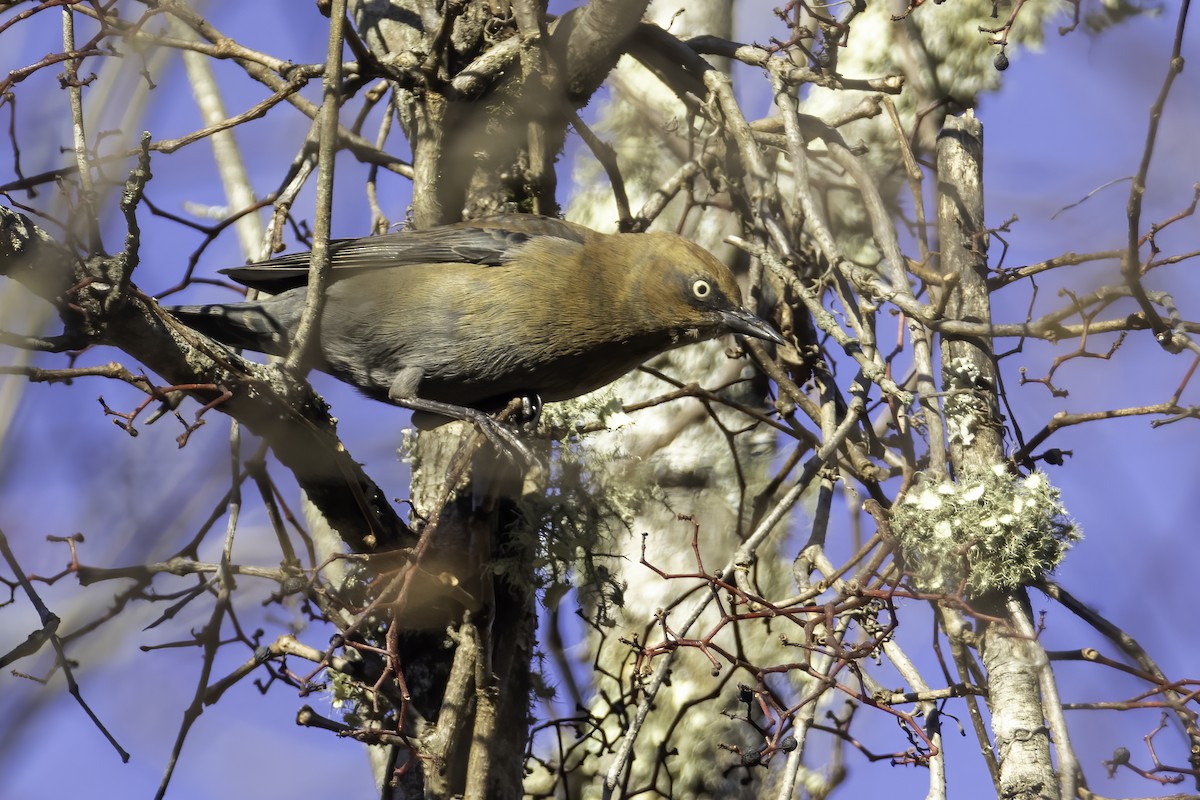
(594, 490)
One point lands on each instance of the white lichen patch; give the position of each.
(965, 410)
(992, 531)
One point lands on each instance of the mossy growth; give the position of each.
(988, 531)
(594, 490)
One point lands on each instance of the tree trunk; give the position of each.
(480, 148)
(1012, 662)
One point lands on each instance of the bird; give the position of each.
(458, 320)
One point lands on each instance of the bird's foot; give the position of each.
(500, 435)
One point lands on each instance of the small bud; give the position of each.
(752, 758)
(293, 585)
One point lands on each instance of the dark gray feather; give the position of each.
(491, 242)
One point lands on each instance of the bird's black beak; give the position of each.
(742, 321)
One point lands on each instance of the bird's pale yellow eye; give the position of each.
(701, 289)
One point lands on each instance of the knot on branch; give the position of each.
(86, 306)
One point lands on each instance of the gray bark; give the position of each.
(1012, 662)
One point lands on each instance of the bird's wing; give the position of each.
(490, 241)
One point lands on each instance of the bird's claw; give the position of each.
(531, 411)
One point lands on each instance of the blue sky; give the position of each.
(1068, 120)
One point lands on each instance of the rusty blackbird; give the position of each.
(468, 316)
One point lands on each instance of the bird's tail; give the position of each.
(248, 325)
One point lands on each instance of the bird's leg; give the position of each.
(496, 432)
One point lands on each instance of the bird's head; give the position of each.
(681, 287)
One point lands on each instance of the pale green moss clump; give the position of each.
(994, 531)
